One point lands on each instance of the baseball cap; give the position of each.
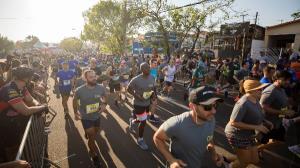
(204, 95)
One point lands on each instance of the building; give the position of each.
(285, 35)
(235, 39)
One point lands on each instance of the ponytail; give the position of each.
(242, 89)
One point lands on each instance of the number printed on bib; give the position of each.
(147, 95)
(92, 108)
(67, 82)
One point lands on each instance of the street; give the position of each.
(68, 146)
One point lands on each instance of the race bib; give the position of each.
(115, 78)
(92, 108)
(66, 82)
(147, 95)
(126, 76)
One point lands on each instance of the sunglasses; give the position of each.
(209, 107)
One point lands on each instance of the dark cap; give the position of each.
(204, 95)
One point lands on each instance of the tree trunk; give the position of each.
(165, 37)
(195, 41)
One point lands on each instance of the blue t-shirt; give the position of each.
(154, 72)
(72, 65)
(264, 80)
(65, 78)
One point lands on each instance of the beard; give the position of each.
(91, 83)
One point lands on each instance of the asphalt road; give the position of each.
(68, 147)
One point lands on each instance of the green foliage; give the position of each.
(6, 45)
(28, 42)
(71, 44)
(108, 23)
(296, 15)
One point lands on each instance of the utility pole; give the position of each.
(244, 36)
(243, 15)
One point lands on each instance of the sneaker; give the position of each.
(96, 162)
(131, 125)
(142, 144)
(153, 119)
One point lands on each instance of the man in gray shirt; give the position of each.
(142, 87)
(89, 101)
(274, 102)
(190, 133)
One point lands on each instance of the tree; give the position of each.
(157, 18)
(71, 44)
(182, 21)
(108, 23)
(6, 45)
(296, 15)
(28, 42)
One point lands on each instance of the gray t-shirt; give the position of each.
(188, 141)
(247, 112)
(141, 85)
(276, 98)
(89, 101)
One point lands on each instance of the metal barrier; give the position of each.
(33, 147)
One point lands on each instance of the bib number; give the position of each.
(147, 95)
(66, 82)
(92, 108)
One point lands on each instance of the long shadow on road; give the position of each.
(122, 142)
(77, 150)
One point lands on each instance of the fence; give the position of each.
(33, 147)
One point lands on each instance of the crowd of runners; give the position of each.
(266, 100)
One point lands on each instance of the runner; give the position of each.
(246, 118)
(169, 72)
(268, 73)
(89, 101)
(115, 86)
(276, 106)
(66, 83)
(142, 87)
(153, 99)
(124, 77)
(190, 133)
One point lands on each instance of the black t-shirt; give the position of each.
(9, 95)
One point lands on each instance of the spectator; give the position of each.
(15, 104)
(268, 73)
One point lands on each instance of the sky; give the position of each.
(54, 20)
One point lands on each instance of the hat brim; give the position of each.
(211, 101)
(263, 85)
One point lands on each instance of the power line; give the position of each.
(184, 6)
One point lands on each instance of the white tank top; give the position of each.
(170, 72)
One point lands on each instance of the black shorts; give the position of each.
(140, 112)
(114, 87)
(90, 123)
(276, 134)
(168, 83)
(66, 94)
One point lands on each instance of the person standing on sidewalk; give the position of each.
(142, 88)
(89, 101)
(190, 133)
